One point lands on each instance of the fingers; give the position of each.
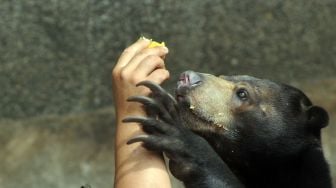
(149, 57)
(158, 76)
(139, 50)
(148, 65)
(138, 63)
(143, 65)
(131, 51)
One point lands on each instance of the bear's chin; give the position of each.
(193, 114)
(195, 120)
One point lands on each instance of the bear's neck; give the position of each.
(303, 170)
(258, 168)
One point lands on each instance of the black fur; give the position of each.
(282, 151)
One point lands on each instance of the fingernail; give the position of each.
(144, 38)
(165, 49)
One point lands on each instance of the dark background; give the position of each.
(56, 109)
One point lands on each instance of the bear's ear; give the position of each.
(317, 117)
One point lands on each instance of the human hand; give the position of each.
(137, 63)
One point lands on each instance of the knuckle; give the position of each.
(154, 60)
(143, 52)
(165, 74)
(127, 51)
(160, 63)
(135, 79)
(160, 75)
(115, 72)
(124, 75)
(161, 78)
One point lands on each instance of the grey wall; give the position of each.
(56, 56)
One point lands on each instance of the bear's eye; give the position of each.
(242, 94)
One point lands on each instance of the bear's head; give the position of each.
(249, 117)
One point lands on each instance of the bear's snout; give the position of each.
(189, 79)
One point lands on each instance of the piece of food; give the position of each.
(155, 44)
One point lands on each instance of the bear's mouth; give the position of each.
(187, 81)
(183, 88)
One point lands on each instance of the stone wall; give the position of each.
(56, 56)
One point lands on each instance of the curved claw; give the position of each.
(144, 100)
(152, 107)
(150, 142)
(140, 138)
(150, 125)
(150, 104)
(157, 89)
(137, 119)
(161, 101)
(149, 122)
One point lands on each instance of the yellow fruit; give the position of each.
(155, 44)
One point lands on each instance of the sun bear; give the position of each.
(235, 131)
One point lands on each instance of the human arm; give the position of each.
(136, 166)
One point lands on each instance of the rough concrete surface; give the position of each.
(56, 57)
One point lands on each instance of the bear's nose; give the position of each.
(190, 78)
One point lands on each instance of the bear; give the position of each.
(235, 131)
